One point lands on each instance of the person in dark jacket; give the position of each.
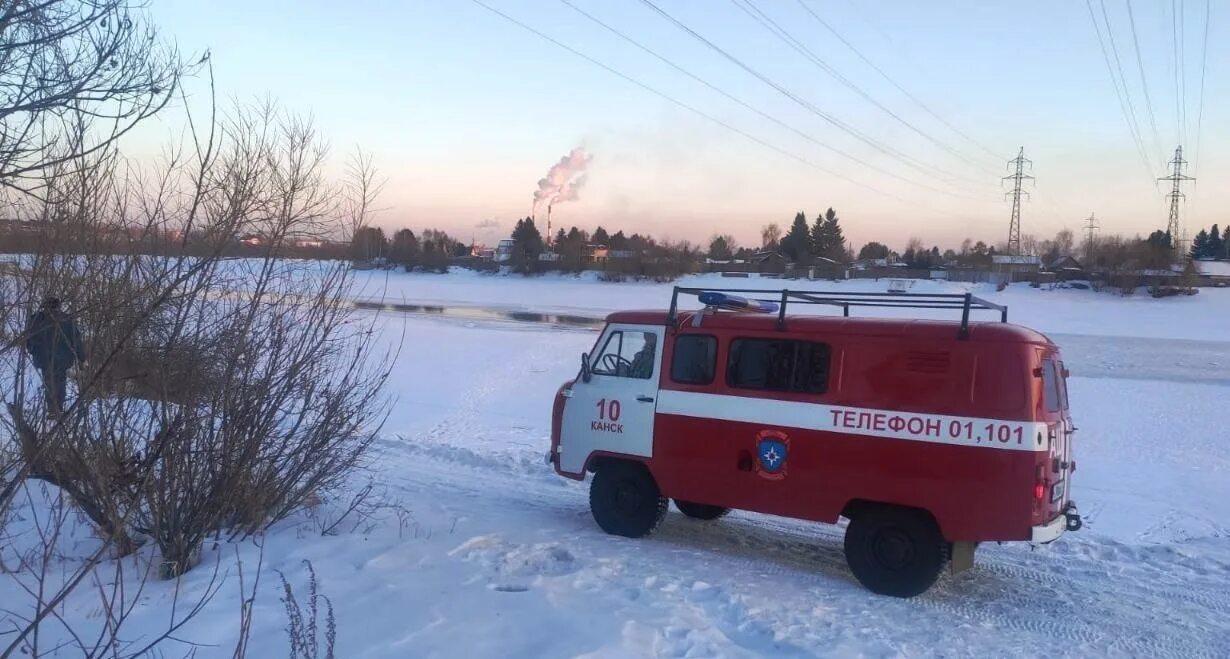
(55, 346)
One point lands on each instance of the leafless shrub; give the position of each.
(303, 620)
(219, 395)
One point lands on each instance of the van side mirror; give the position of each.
(586, 376)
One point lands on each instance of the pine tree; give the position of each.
(817, 245)
(795, 244)
(827, 239)
(1200, 245)
(527, 244)
(1225, 243)
(619, 241)
(1217, 246)
(600, 236)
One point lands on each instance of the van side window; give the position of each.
(778, 365)
(626, 355)
(1052, 398)
(694, 360)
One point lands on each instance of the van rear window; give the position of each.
(778, 365)
(694, 360)
(1052, 388)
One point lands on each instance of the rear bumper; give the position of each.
(1050, 531)
(1068, 520)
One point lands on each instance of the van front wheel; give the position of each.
(895, 551)
(625, 500)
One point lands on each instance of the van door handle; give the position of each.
(645, 399)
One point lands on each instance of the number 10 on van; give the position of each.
(608, 417)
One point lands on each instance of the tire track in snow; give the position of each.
(1093, 596)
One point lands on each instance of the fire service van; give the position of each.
(928, 436)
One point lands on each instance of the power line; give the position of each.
(1144, 82)
(887, 150)
(1114, 81)
(748, 7)
(749, 106)
(1204, 58)
(1183, 67)
(1127, 94)
(893, 82)
(1178, 103)
(685, 106)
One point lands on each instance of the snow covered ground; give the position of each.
(488, 554)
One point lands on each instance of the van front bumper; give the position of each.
(1069, 520)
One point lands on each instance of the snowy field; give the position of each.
(493, 555)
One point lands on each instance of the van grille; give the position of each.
(927, 362)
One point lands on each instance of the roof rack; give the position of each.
(783, 298)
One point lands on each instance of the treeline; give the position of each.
(575, 250)
(805, 242)
(1212, 244)
(432, 251)
(823, 238)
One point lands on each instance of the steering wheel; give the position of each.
(611, 363)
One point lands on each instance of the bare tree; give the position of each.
(770, 236)
(75, 76)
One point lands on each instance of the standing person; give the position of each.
(55, 346)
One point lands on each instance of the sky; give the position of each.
(898, 114)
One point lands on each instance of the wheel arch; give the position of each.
(856, 507)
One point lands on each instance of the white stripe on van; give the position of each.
(934, 428)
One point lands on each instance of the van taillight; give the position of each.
(1039, 491)
(1039, 484)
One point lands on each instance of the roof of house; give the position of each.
(1214, 268)
(1016, 259)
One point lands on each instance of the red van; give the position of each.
(928, 436)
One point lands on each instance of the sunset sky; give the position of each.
(464, 111)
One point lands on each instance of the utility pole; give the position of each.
(1091, 225)
(1017, 166)
(1177, 177)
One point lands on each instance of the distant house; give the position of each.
(865, 264)
(769, 263)
(596, 253)
(1067, 268)
(504, 251)
(549, 257)
(825, 268)
(1218, 271)
(482, 252)
(1064, 263)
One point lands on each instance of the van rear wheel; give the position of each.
(700, 510)
(625, 500)
(895, 551)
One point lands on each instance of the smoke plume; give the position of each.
(564, 180)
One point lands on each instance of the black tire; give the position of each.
(625, 500)
(700, 510)
(895, 551)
